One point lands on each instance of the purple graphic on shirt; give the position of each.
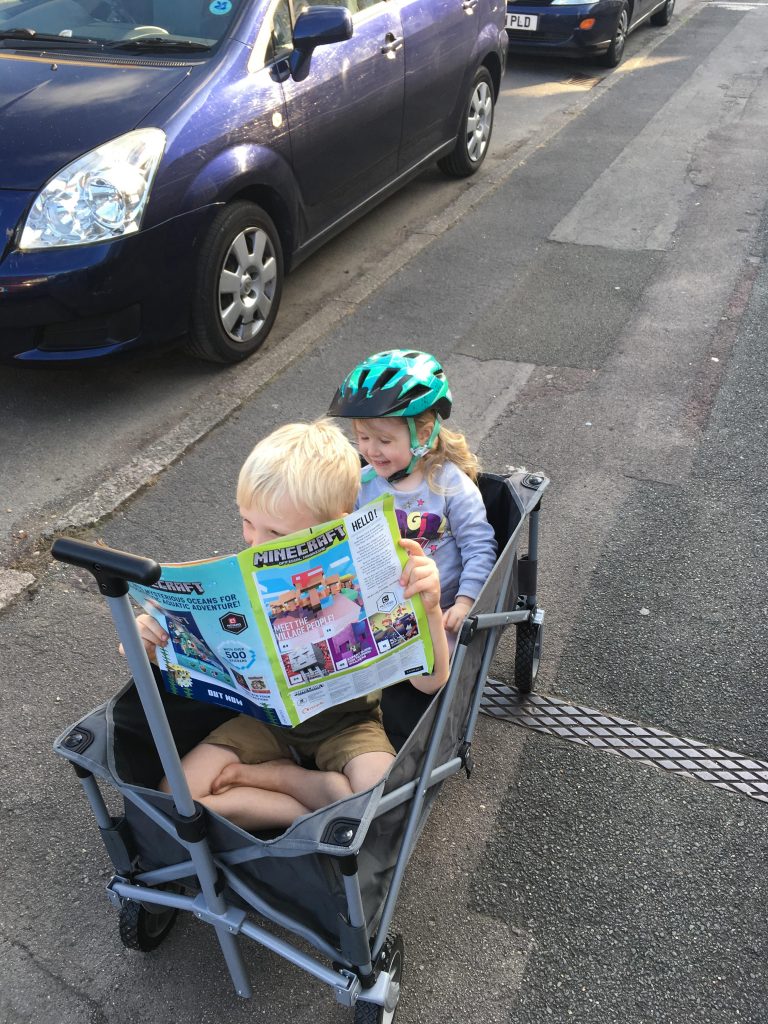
(421, 526)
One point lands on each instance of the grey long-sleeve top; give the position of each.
(451, 527)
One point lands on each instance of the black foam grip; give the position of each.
(110, 567)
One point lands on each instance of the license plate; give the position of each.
(526, 22)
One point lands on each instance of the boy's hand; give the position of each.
(152, 636)
(454, 616)
(420, 576)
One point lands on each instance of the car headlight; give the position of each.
(99, 196)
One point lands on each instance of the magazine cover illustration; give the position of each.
(287, 629)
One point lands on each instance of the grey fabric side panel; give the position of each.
(95, 758)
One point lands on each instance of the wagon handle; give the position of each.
(112, 569)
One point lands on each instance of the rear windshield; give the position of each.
(111, 21)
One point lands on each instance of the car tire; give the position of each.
(663, 16)
(474, 134)
(613, 55)
(239, 285)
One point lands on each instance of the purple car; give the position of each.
(163, 163)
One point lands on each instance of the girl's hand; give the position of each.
(420, 576)
(454, 616)
(152, 636)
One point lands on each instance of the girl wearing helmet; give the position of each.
(397, 401)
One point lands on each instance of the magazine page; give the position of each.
(288, 629)
(205, 609)
(334, 611)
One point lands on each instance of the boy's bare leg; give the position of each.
(201, 766)
(366, 770)
(249, 808)
(253, 809)
(313, 789)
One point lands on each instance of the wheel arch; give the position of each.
(258, 175)
(492, 63)
(275, 206)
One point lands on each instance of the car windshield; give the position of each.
(130, 24)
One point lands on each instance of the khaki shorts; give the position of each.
(254, 742)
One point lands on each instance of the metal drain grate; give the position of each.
(722, 768)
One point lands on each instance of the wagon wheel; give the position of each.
(391, 959)
(527, 654)
(144, 929)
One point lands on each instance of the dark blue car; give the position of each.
(578, 29)
(163, 163)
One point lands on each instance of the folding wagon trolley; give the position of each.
(333, 877)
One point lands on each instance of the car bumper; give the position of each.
(558, 28)
(92, 301)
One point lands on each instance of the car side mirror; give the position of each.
(317, 26)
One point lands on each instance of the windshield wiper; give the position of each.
(157, 43)
(29, 35)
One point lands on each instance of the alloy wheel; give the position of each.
(621, 32)
(247, 284)
(479, 122)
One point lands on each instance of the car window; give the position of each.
(116, 20)
(281, 34)
(353, 6)
(280, 43)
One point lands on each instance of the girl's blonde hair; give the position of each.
(449, 446)
(308, 465)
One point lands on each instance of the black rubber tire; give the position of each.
(613, 55)
(258, 296)
(142, 930)
(527, 655)
(460, 162)
(372, 1013)
(663, 16)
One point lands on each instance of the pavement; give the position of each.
(560, 882)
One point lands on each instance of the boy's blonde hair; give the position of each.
(309, 465)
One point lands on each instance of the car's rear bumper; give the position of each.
(91, 301)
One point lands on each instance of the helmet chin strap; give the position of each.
(418, 451)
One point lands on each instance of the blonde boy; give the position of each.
(300, 475)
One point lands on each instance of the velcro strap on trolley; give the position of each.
(192, 829)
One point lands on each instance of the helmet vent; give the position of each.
(388, 376)
(418, 391)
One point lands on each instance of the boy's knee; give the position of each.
(367, 770)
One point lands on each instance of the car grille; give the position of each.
(538, 37)
(528, 3)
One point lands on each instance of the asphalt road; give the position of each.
(601, 310)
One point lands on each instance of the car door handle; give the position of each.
(393, 43)
(469, 5)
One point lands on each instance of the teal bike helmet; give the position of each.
(398, 382)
